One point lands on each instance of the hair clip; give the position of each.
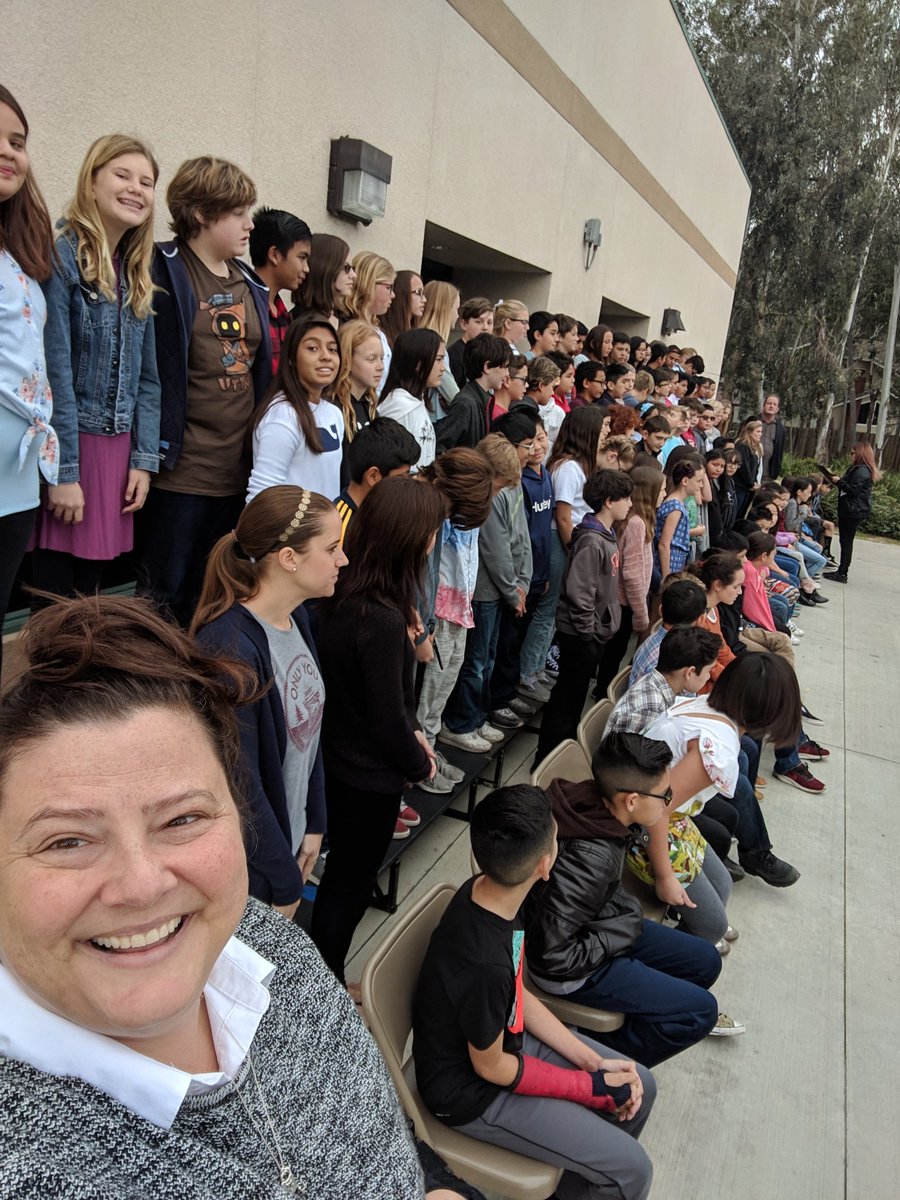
(298, 516)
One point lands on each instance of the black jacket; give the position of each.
(467, 421)
(855, 490)
(745, 476)
(581, 917)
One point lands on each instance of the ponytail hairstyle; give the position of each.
(316, 293)
(506, 311)
(103, 658)
(278, 517)
(758, 544)
(370, 269)
(412, 363)
(25, 230)
(441, 299)
(387, 544)
(398, 318)
(465, 480)
(351, 336)
(287, 386)
(720, 566)
(93, 255)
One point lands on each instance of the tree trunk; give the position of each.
(889, 343)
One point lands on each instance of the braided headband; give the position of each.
(282, 537)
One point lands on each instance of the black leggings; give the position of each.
(718, 823)
(847, 527)
(360, 827)
(15, 530)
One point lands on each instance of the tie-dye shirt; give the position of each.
(459, 570)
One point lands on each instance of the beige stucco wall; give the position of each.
(476, 148)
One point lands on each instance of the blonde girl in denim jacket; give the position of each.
(101, 361)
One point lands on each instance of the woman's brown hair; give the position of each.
(398, 318)
(593, 343)
(862, 456)
(236, 564)
(578, 439)
(719, 567)
(387, 545)
(327, 257)
(102, 658)
(287, 386)
(647, 481)
(25, 230)
(465, 479)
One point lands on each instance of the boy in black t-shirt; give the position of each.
(490, 1059)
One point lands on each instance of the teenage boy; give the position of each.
(490, 1059)
(590, 383)
(619, 378)
(215, 364)
(687, 656)
(683, 601)
(280, 245)
(486, 365)
(475, 316)
(587, 938)
(588, 612)
(705, 431)
(641, 389)
(380, 449)
(503, 581)
(621, 349)
(568, 334)
(543, 334)
(665, 381)
(654, 433)
(658, 354)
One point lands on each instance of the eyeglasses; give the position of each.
(667, 796)
(529, 446)
(518, 320)
(416, 292)
(389, 286)
(348, 269)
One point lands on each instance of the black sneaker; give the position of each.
(818, 598)
(735, 870)
(768, 868)
(505, 718)
(810, 718)
(522, 708)
(835, 576)
(806, 600)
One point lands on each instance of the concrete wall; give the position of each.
(489, 138)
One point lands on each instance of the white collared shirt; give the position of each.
(237, 997)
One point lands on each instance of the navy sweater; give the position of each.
(274, 874)
(538, 491)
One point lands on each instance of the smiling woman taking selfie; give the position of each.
(162, 1036)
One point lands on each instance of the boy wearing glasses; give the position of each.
(586, 937)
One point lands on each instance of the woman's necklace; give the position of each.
(288, 1179)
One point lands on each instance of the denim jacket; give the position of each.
(101, 363)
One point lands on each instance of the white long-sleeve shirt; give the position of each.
(281, 455)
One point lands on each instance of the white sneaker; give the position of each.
(472, 742)
(794, 630)
(490, 734)
(795, 641)
(727, 1027)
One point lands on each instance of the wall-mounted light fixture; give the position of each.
(671, 322)
(358, 175)
(592, 239)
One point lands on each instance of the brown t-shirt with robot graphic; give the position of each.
(220, 401)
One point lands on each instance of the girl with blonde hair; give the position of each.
(101, 363)
(361, 373)
(441, 313)
(511, 322)
(372, 295)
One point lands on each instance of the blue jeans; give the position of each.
(786, 757)
(469, 701)
(789, 566)
(752, 834)
(543, 623)
(662, 985)
(781, 610)
(814, 559)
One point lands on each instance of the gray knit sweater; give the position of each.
(326, 1088)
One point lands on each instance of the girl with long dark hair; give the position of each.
(326, 289)
(416, 368)
(297, 433)
(371, 741)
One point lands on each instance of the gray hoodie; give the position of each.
(504, 550)
(589, 600)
